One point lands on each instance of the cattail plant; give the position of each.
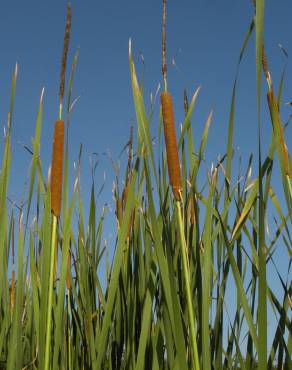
(56, 180)
(176, 184)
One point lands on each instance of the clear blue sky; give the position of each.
(205, 37)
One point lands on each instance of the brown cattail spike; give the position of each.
(171, 144)
(65, 52)
(57, 168)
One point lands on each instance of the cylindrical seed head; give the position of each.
(57, 168)
(171, 144)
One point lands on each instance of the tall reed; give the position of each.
(56, 182)
(176, 183)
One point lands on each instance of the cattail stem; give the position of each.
(51, 283)
(56, 180)
(186, 272)
(171, 145)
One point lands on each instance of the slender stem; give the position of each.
(51, 283)
(69, 336)
(188, 289)
(164, 65)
